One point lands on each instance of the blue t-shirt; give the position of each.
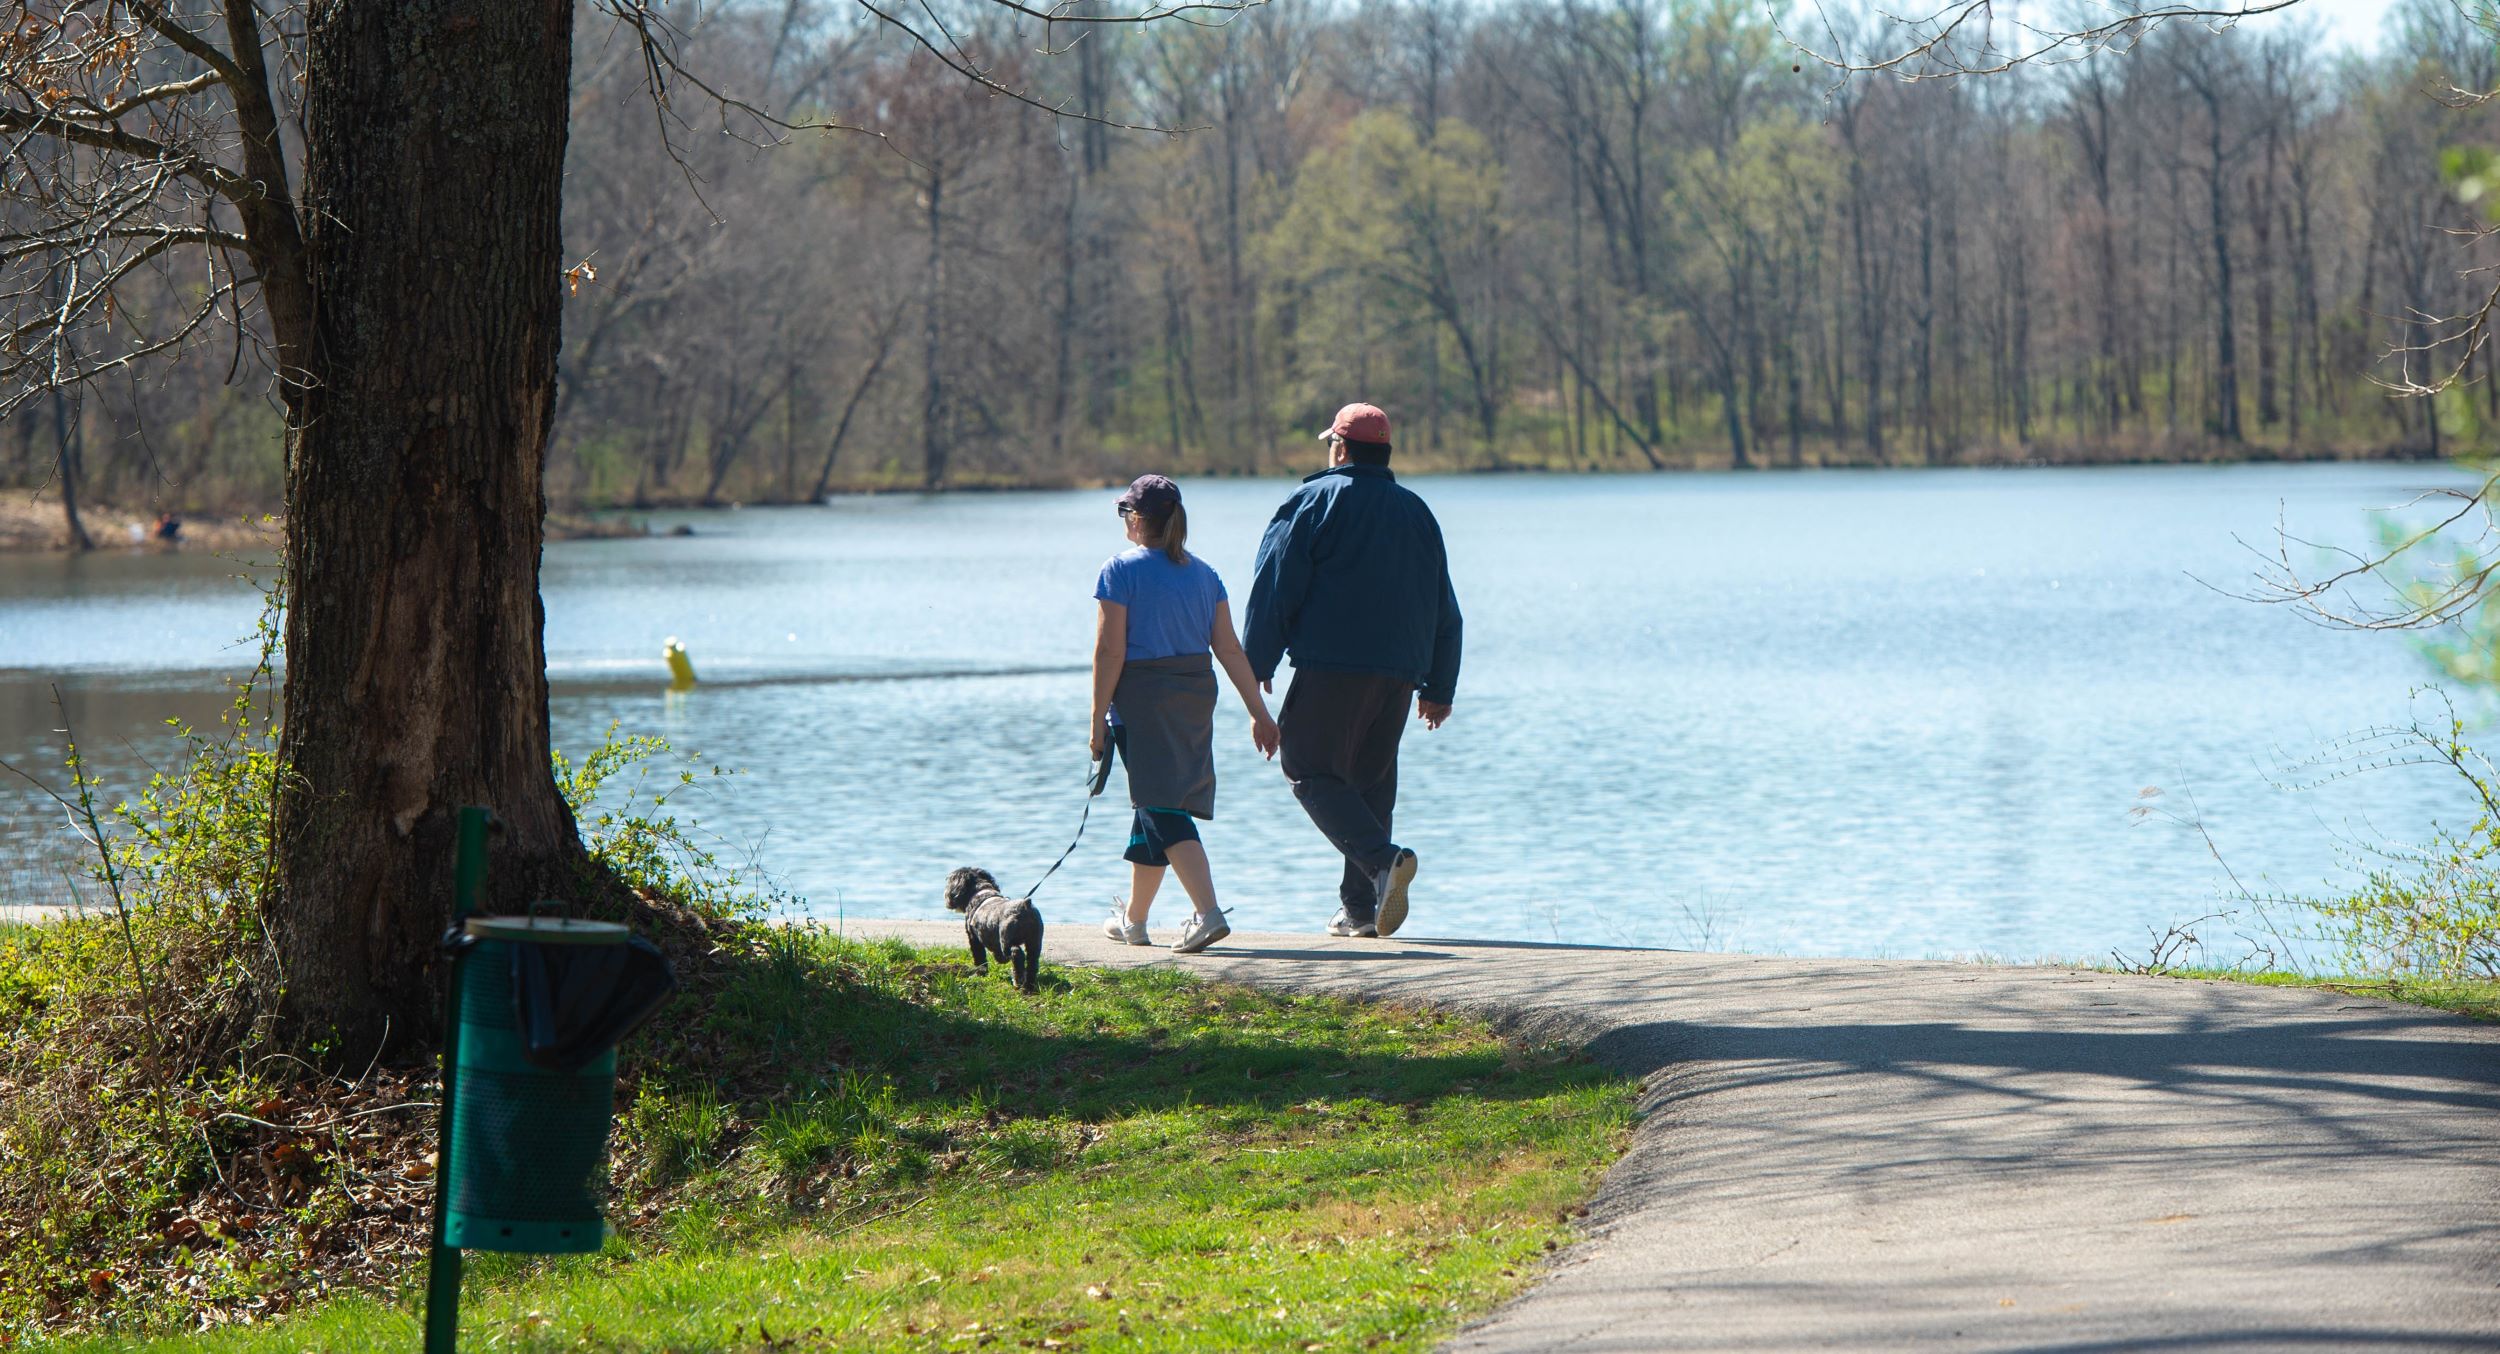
(1171, 607)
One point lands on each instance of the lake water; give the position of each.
(1879, 714)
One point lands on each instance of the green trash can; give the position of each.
(536, 1007)
(528, 1143)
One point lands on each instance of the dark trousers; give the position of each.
(1341, 732)
(1154, 832)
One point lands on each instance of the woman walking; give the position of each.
(1163, 614)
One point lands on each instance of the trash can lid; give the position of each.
(547, 930)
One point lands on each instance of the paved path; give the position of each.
(1912, 1156)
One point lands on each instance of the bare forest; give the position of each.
(1549, 234)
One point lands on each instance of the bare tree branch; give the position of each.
(192, 44)
(1971, 37)
(962, 64)
(153, 94)
(227, 184)
(1079, 12)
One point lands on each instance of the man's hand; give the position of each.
(1101, 736)
(1431, 714)
(1263, 736)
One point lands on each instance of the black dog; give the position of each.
(994, 924)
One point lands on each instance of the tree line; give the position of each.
(1568, 234)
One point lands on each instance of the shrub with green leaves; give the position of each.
(2430, 911)
(162, 1155)
(634, 837)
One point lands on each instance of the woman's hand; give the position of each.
(1263, 735)
(1101, 739)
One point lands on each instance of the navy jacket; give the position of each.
(1352, 577)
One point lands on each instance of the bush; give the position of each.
(2432, 911)
(634, 838)
(158, 1154)
(162, 1155)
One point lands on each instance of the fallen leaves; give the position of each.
(303, 1191)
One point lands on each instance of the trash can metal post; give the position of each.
(442, 1276)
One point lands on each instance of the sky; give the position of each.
(2352, 24)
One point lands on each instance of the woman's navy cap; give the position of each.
(1152, 495)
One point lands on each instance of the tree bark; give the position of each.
(416, 671)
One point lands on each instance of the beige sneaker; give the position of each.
(1127, 932)
(1392, 884)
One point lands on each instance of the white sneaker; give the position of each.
(1126, 932)
(1204, 929)
(1344, 924)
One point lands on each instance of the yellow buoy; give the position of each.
(680, 667)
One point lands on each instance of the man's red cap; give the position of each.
(1359, 423)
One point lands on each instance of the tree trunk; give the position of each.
(1923, 349)
(2226, 414)
(933, 413)
(2261, 268)
(791, 396)
(1063, 328)
(1870, 319)
(1732, 409)
(65, 437)
(416, 672)
(1171, 366)
(842, 427)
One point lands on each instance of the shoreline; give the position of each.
(2044, 458)
(30, 524)
(34, 526)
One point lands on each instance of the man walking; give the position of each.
(1352, 580)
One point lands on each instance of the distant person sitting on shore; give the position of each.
(1162, 612)
(1353, 581)
(168, 528)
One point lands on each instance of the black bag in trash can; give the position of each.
(573, 1002)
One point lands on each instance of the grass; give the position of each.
(830, 1143)
(2478, 999)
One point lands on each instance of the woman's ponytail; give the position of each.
(1175, 535)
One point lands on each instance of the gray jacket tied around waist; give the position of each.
(1167, 706)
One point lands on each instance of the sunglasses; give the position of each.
(1124, 509)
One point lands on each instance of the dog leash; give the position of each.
(1096, 777)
